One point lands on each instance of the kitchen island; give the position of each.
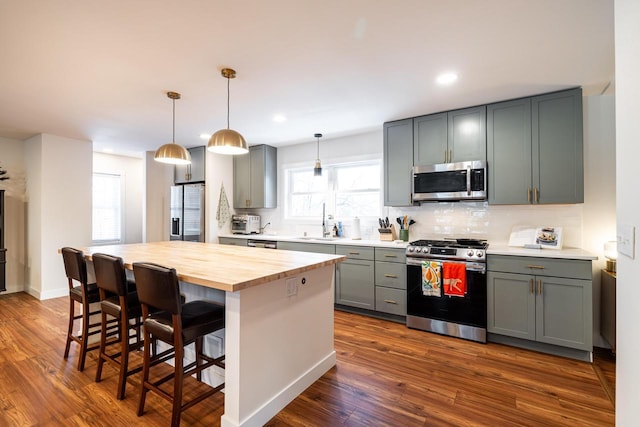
(279, 317)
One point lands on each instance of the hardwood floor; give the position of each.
(386, 375)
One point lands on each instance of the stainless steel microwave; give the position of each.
(450, 182)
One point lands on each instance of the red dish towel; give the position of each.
(454, 279)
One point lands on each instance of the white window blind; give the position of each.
(107, 208)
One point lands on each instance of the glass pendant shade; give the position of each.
(172, 153)
(227, 141)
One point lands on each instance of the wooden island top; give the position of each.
(224, 267)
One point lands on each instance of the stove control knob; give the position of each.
(470, 253)
(479, 254)
(410, 248)
(425, 250)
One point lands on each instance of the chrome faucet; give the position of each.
(325, 230)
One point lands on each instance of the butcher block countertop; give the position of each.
(223, 267)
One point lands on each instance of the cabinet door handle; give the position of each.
(450, 155)
(528, 195)
(445, 155)
(538, 267)
(391, 276)
(354, 253)
(536, 194)
(539, 287)
(390, 301)
(531, 285)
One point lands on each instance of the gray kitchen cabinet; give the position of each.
(255, 178)
(453, 136)
(397, 162)
(307, 247)
(540, 299)
(534, 149)
(232, 241)
(195, 172)
(390, 281)
(355, 281)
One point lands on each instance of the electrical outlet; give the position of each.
(626, 240)
(292, 286)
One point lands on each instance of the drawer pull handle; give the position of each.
(539, 267)
(390, 256)
(390, 301)
(354, 253)
(391, 276)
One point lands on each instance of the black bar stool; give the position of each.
(178, 325)
(118, 299)
(85, 294)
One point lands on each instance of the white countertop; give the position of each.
(330, 241)
(565, 253)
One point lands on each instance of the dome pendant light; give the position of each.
(227, 141)
(173, 153)
(317, 170)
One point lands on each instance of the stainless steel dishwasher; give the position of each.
(267, 244)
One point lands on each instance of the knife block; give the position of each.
(387, 234)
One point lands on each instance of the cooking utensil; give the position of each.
(411, 222)
(399, 221)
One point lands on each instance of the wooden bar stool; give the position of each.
(85, 294)
(119, 300)
(178, 325)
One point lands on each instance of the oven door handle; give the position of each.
(470, 266)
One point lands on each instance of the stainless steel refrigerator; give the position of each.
(187, 212)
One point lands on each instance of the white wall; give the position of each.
(59, 203)
(627, 38)
(219, 171)
(12, 160)
(131, 171)
(158, 178)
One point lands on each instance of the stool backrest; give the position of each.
(157, 286)
(110, 273)
(75, 266)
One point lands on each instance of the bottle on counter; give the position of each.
(334, 231)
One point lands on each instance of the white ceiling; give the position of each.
(99, 70)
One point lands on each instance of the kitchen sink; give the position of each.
(324, 239)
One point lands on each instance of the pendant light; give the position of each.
(317, 170)
(227, 141)
(173, 153)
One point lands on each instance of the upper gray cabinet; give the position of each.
(255, 178)
(195, 172)
(454, 136)
(535, 151)
(397, 162)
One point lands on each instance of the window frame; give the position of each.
(121, 176)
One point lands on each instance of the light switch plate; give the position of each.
(626, 240)
(291, 286)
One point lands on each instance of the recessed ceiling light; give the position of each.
(279, 118)
(205, 136)
(446, 78)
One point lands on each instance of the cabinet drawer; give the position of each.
(390, 300)
(321, 248)
(570, 268)
(355, 252)
(232, 241)
(390, 255)
(391, 275)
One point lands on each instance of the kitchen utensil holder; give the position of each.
(404, 235)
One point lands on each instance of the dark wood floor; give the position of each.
(386, 375)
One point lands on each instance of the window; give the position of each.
(348, 190)
(107, 208)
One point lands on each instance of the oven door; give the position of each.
(469, 310)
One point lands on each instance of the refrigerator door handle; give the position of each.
(175, 226)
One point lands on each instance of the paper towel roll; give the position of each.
(355, 225)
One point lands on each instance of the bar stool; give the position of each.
(119, 300)
(85, 294)
(178, 325)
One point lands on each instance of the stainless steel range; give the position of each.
(447, 287)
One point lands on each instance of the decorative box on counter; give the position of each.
(387, 233)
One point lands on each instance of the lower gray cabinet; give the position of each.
(232, 241)
(307, 247)
(355, 281)
(540, 306)
(391, 281)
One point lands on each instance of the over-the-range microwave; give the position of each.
(450, 182)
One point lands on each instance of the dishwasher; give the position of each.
(267, 244)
